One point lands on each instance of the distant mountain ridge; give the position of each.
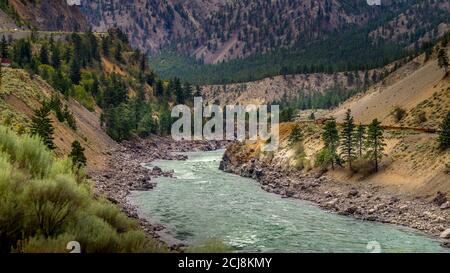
(216, 31)
(49, 15)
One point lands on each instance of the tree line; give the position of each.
(103, 71)
(356, 143)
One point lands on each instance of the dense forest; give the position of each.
(355, 47)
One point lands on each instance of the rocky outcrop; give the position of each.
(362, 201)
(51, 15)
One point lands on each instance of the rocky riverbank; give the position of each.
(364, 201)
(125, 173)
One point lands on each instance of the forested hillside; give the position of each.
(102, 72)
(266, 38)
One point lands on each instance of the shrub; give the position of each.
(83, 97)
(111, 214)
(52, 203)
(95, 235)
(210, 246)
(28, 152)
(41, 244)
(421, 117)
(398, 113)
(136, 242)
(42, 207)
(324, 158)
(362, 166)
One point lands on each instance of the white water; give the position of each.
(204, 203)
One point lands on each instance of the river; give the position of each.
(203, 202)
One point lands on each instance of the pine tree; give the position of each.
(77, 155)
(105, 46)
(360, 138)
(56, 56)
(178, 91)
(187, 90)
(41, 125)
(296, 135)
(43, 55)
(444, 137)
(443, 59)
(330, 137)
(375, 142)
(348, 139)
(1, 76)
(3, 48)
(198, 91)
(75, 74)
(159, 88)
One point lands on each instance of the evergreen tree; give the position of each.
(444, 137)
(3, 48)
(105, 43)
(41, 125)
(348, 139)
(188, 92)
(198, 91)
(75, 74)
(330, 137)
(159, 88)
(56, 56)
(443, 59)
(296, 135)
(375, 143)
(44, 54)
(178, 91)
(360, 138)
(77, 155)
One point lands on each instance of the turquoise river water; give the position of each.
(203, 202)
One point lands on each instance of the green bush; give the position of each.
(210, 246)
(135, 242)
(43, 206)
(112, 215)
(45, 245)
(324, 158)
(362, 166)
(53, 203)
(28, 152)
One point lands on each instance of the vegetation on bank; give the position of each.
(360, 147)
(44, 205)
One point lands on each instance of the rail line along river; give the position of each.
(203, 202)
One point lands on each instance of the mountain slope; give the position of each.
(21, 94)
(408, 88)
(52, 15)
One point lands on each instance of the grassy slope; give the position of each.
(20, 95)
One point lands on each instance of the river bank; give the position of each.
(362, 201)
(125, 173)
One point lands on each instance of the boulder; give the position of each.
(445, 234)
(440, 198)
(353, 193)
(445, 206)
